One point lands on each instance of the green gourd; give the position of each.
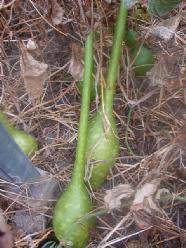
(141, 57)
(70, 210)
(131, 38)
(103, 142)
(143, 60)
(26, 142)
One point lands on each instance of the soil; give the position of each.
(150, 114)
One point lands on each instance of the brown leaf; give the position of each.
(76, 66)
(33, 72)
(6, 239)
(113, 198)
(31, 45)
(166, 71)
(167, 28)
(143, 206)
(145, 191)
(159, 72)
(57, 13)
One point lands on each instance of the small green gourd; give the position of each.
(75, 203)
(141, 57)
(26, 142)
(103, 143)
(143, 60)
(131, 38)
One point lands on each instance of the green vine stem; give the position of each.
(173, 197)
(115, 58)
(79, 166)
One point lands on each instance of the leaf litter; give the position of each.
(154, 131)
(34, 73)
(6, 238)
(57, 13)
(75, 63)
(166, 29)
(113, 197)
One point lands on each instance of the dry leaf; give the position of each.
(57, 13)
(76, 66)
(3, 225)
(6, 239)
(33, 72)
(31, 45)
(113, 198)
(143, 206)
(167, 28)
(166, 72)
(159, 72)
(146, 191)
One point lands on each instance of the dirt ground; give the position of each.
(150, 114)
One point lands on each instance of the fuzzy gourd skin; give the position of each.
(27, 143)
(73, 203)
(71, 221)
(103, 143)
(102, 148)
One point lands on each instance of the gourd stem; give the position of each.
(79, 166)
(115, 58)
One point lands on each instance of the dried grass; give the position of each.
(151, 143)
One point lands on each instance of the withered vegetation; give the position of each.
(150, 114)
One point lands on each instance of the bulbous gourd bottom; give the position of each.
(102, 149)
(71, 229)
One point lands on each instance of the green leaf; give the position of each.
(161, 7)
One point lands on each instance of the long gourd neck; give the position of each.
(79, 166)
(115, 59)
